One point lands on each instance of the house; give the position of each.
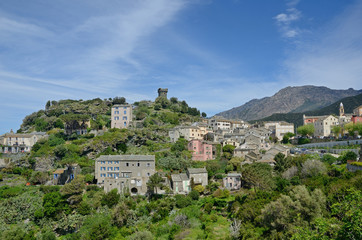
(279, 129)
(252, 156)
(358, 111)
(65, 175)
(199, 175)
(181, 183)
(201, 150)
(219, 123)
(79, 127)
(124, 172)
(187, 132)
(232, 181)
(323, 126)
(244, 149)
(20, 142)
(311, 119)
(121, 115)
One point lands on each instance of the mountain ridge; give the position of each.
(289, 99)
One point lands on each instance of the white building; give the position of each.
(323, 126)
(279, 129)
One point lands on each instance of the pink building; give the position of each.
(356, 119)
(201, 151)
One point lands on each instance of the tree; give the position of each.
(111, 198)
(258, 175)
(312, 168)
(154, 182)
(281, 163)
(306, 130)
(203, 114)
(228, 151)
(298, 208)
(73, 191)
(119, 100)
(336, 130)
(287, 136)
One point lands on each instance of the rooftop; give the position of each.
(126, 158)
(196, 170)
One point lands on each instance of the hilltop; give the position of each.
(349, 104)
(289, 100)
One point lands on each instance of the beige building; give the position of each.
(19, 142)
(121, 116)
(279, 129)
(124, 172)
(358, 111)
(187, 132)
(323, 126)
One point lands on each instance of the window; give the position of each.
(109, 162)
(116, 168)
(148, 164)
(127, 164)
(116, 107)
(116, 112)
(110, 168)
(148, 174)
(125, 124)
(103, 162)
(125, 112)
(138, 164)
(124, 107)
(116, 118)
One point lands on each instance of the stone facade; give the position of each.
(180, 183)
(279, 129)
(65, 175)
(124, 172)
(19, 142)
(232, 181)
(323, 127)
(187, 132)
(121, 115)
(358, 111)
(162, 92)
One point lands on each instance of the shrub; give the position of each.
(111, 198)
(194, 195)
(182, 201)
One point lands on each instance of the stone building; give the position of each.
(187, 132)
(181, 183)
(19, 142)
(65, 175)
(124, 172)
(232, 181)
(323, 127)
(279, 129)
(162, 92)
(121, 115)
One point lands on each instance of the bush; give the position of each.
(111, 198)
(194, 195)
(182, 201)
(199, 188)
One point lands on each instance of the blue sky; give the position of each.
(214, 54)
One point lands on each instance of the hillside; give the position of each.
(287, 100)
(349, 104)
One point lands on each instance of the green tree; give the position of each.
(154, 182)
(54, 204)
(306, 130)
(73, 191)
(281, 163)
(258, 175)
(111, 198)
(336, 130)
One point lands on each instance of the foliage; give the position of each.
(258, 175)
(73, 190)
(295, 209)
(306, 130)
(194, 194)
(312, 168)
(182, 201)
(111, 198)
(281, 163)
(199, 188)
(154, 182)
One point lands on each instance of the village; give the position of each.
(260, 142)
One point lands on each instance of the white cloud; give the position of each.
(333, 57)
(285, 20)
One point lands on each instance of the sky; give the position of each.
(215, 54)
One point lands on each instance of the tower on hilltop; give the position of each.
(162, 92)
(341, 110)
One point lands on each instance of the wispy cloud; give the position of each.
(333, 57)
(285, 21)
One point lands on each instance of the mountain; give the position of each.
(349, 104)
(289, 100)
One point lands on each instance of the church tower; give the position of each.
(341, 110)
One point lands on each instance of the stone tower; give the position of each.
(341, 110)
(162, 92)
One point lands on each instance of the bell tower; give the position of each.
(341, 110)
